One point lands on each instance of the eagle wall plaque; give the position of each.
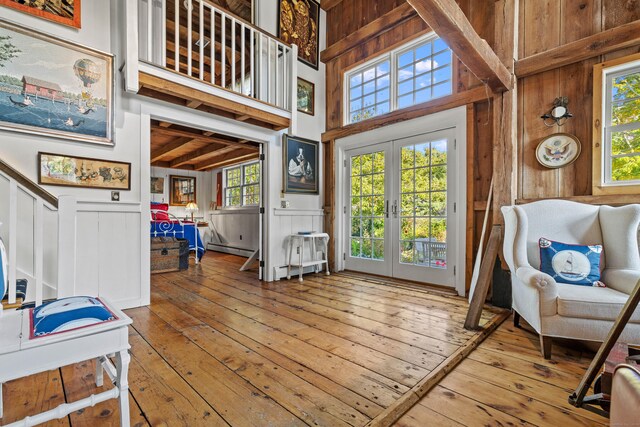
(558, 150)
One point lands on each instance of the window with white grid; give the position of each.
(414, 73)
(242, 185)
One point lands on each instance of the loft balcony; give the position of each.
(196, 54)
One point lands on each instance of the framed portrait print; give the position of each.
(300, 165)
(55, 88)
(306, 96)
(65, 12)
(182, 190)
(157, 185)
(73, 171)
(558, 150)
(299, 22)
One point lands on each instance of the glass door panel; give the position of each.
(367, 210)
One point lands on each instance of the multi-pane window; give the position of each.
(242, 185)
(424, 73)
(406, 76)
(369, 92)
(622, 124)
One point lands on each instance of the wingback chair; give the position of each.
(558, 310)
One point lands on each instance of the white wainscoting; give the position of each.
(108, 260)
(286, 222)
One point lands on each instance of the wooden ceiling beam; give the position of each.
(202, 152)
(166, 164)
(624, 36)
(236, 156)
(170, 147)
(373, 29)
(329, 4)
(195, 135)
(450, 23)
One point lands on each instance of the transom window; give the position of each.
(242, 185)
(414, 73)
(618, 88)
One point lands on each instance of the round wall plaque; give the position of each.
(558, 150)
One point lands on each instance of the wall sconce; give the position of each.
(558, 114)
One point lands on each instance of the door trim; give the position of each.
(450, 119)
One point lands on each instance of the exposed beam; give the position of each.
(373, 29)
(176, 90)
(202, 152)
(170, 147)
(193, 104)
(621, 37)
(201, 136)
(450, 23)
(440, 104)
(165, 124)
(165, 164)
(233, 157)
(328, 4)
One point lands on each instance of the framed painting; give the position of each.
(306, 96)
(157, 185)
(182, 190)
(300, 165)
(298, 24)
(52, 87)
(66, 12)
(73, 171)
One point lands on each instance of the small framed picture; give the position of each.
(558, 150)
(157, 185)
(72, 171)
(306, 96)
(182, 190)
(300, 165)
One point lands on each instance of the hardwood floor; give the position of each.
(219, 347)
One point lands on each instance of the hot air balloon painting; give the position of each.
(298, 24)
(53, 87)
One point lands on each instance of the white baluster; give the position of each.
(189, 36)
(277, 73)
(163, 34)
(213, 44)
(242, 52)
(233, 54)
(201, 34)
(13, 238)
(268, 70)
(38, 239)
(251, 60)
(176, 35)
(149, 30)
(223, 52)
(293, 81)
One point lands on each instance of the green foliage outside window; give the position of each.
(625, 142)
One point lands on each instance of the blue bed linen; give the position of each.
(185, 231)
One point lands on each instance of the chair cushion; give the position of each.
(592, 303)
(67, 314)
(571, 264)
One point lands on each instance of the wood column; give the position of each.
(505, 110)
(329, 198)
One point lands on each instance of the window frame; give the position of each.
(603, 75)
(392, 56)
(241, 167)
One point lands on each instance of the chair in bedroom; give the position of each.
(74, 337)
(560, 310)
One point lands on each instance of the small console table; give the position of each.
(297, 241)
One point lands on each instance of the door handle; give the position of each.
(394, 210)
(386, 209)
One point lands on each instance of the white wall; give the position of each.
(305, 210)
(112, 237)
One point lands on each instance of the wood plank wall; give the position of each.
(543, 24)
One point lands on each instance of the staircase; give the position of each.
(39, 232)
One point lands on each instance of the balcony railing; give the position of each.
(204, 42)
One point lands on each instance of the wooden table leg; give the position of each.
(301, 257)
(290, 255)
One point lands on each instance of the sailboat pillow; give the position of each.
(571, 264)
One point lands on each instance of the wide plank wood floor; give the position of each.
(219, 347)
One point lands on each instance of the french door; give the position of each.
(400, 207)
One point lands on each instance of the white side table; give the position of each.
(297, 241)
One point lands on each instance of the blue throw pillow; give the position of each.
(571, 264)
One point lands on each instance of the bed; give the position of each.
(166, 224)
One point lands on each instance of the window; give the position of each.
(242, 185)
(617, 104)
(412, 74)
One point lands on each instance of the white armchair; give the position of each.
(570, 311)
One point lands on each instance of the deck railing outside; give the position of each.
(198, 39)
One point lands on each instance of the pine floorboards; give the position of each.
(217, 347)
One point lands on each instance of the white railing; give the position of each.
(198, 39)
(39, 232)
